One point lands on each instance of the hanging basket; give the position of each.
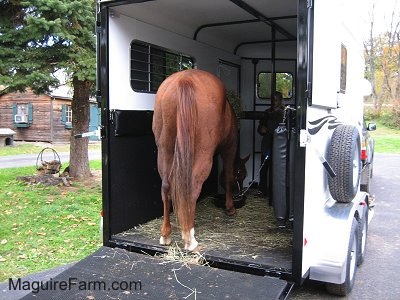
(51, 166)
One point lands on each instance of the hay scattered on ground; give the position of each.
(176, 254)
(251, 232)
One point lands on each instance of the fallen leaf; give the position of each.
(3, 242)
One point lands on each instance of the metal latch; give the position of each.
(305, 138)
(90, 133)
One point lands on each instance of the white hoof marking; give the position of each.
(165, 240)
(192, 243)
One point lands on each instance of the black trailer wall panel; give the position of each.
(134, 181)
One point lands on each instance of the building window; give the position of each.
(22, 114)
(343, 69)
(66, 115)
(284, 84)
(151, 64)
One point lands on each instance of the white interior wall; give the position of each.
(122, 30)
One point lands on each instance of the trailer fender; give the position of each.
(344, 158)
(331, 244)
(344, 288)
(362, 235)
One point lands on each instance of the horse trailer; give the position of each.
(312, 52)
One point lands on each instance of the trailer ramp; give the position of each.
(113, 273)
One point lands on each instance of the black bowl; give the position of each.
(238, 201)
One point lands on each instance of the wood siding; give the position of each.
(46, 124)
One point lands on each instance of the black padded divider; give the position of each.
(132, 122)
(135, 185)
(279, 154)
(291, 171)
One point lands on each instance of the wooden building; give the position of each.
(44, 117)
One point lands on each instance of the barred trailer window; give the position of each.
(151, 64)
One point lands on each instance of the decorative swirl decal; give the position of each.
(319, 123)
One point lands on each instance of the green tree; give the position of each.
(40, 37)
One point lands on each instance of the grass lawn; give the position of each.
(387, 140)
(35, 148)
(44, 227)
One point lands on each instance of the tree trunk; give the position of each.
(79, 158)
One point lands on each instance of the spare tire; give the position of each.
(344, 158)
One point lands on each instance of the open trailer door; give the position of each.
(118, 274)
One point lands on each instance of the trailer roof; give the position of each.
(225, 24)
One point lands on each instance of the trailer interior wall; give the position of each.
(124, 30)
(133, 185)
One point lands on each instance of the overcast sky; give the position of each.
(383, 13)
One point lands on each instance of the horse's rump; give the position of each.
(191, 120)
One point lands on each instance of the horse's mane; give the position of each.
(181, 172)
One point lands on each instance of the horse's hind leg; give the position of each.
(165, 238)
(188, 234)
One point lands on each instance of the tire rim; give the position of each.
(356, 170)
(364, 236)
(353, 256)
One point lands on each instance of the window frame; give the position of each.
(268, 98)
(343, 69)
(66, 115)
(145, 71)
(28, 112)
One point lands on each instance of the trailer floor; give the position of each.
(250, 237)
(118, 274)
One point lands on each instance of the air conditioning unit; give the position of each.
(20, 119)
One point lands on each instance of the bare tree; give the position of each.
(371, 58)
(383, 62)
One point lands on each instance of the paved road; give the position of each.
(378, 277)
(25, 160)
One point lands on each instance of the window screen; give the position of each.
(151, 64)
(284, 84)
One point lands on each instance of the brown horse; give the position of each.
(192, 120)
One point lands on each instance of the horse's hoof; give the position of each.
(191, 246)
(165, 240)
(230, 211)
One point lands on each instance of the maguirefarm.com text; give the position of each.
(72, 283)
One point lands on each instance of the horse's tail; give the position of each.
(186, 118)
